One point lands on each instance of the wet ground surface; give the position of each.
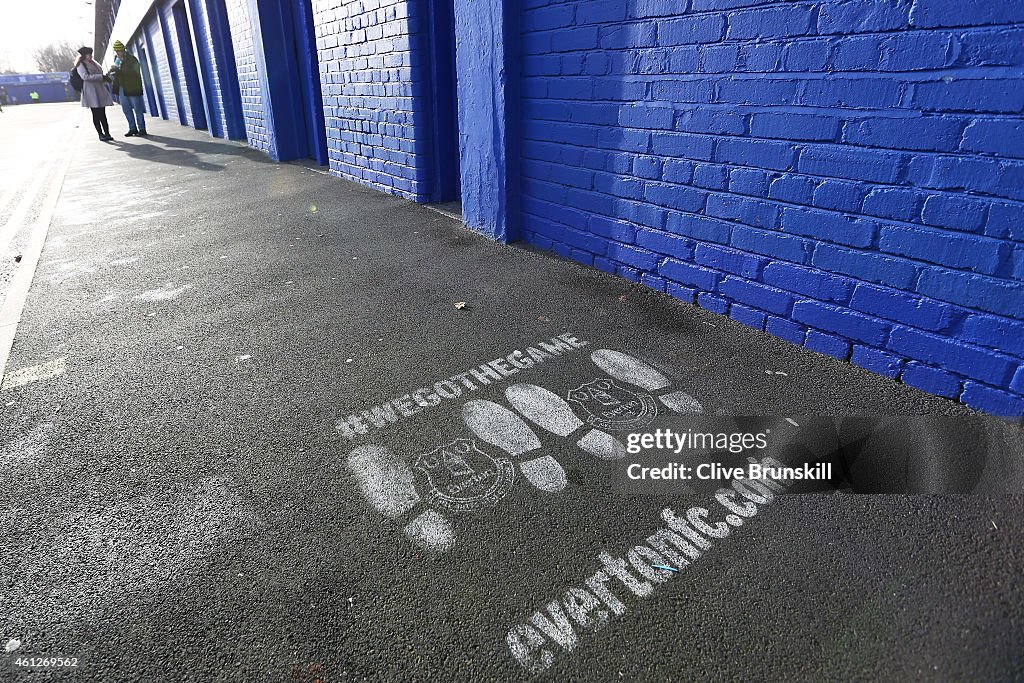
(191, 490)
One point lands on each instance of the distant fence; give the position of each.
(52, 87)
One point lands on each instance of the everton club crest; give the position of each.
(609, 406)
(461, 477)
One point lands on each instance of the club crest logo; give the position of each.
(610, 406)
(461, 477)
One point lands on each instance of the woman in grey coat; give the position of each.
(95, 94)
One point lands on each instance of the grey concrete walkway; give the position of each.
(191, 491)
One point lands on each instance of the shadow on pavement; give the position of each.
(164, 155)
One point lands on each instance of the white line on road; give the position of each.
(10, 312)
(35, 373)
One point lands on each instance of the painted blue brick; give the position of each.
(918, 51)
(583, 257)
(665, 243)
(974, 291)
(654, 282)
(956, 212)
(699, 227)
(711, 121)
(678, 171)
(849, 230)
(729, 260)
(794, 126)
(616, 230)
(771, 243)
(689, 145)
(865, 266)
(631, 274)
(1005, 220)
(932, 133)
(786, 330)
(811, 282)
(643, 259)
(749, 181)
(757, 153)
(841, 321)
(758, 296)
(806, 55)
(773, 22)
(711, 177)
(987, 366)
(905, 308)
(992, 400)
(754, 212)
(861, 16)
(978, 174)
(688, 30)
(896, 203)
(970, 95)
(600, 12)
(601, 264)
(839, 195)
(854, 164)
(931, 380)
(879, 362)
(676, 291)
(628, 36)
(995, 136)
(828, 344)
(710, 302)
(1018, 380)
(689, 274)
(934, 13)
(858, 54)
(647, 117)
(675, 196)
(793, 188)
(949, 249)
(748, 316)
(995, 332)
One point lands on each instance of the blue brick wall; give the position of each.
(209, 67)
(161, 66)
(845, 174)
(374, 73)
(253, 113)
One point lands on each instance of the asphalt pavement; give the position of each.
(263, 424)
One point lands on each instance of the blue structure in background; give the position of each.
(51, 87)
(843, 174)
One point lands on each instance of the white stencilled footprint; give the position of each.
(628, 369)
(500, 427)
(387, 482)
(549, 411)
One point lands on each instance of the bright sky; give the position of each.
(26, 25)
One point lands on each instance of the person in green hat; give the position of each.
(127, 75)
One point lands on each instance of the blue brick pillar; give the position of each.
(486, 36)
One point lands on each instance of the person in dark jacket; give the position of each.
(127, 75)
